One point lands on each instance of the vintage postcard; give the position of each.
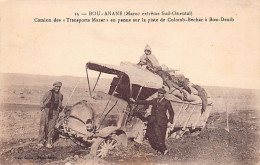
(129, 82)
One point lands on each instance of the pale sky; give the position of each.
(216, 54)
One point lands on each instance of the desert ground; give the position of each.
(20, 115)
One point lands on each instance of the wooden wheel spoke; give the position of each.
(99, 154)
(105, 146)
(114, 144)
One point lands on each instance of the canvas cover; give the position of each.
(138, 76)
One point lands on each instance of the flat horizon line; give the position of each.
(107, 78)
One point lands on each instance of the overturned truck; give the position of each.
(108, 119)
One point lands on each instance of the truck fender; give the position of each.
(121, 138)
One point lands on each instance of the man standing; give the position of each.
(158, 121)
(50, 107)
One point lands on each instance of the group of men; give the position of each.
(157, 122)
(51, 106)
(178, 85)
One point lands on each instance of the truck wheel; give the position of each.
(102, 146)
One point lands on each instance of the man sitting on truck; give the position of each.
(148, 56)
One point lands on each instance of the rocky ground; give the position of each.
(214, 145)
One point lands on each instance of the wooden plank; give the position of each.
(183, 116)
(194, 116)
(184, 112)
(176, 117)
(204, 117)
(189, 117)
(197, 120)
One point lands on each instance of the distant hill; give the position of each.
(39, 80)
(71, 81)
(28, 89)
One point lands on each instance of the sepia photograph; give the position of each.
(130, 82)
